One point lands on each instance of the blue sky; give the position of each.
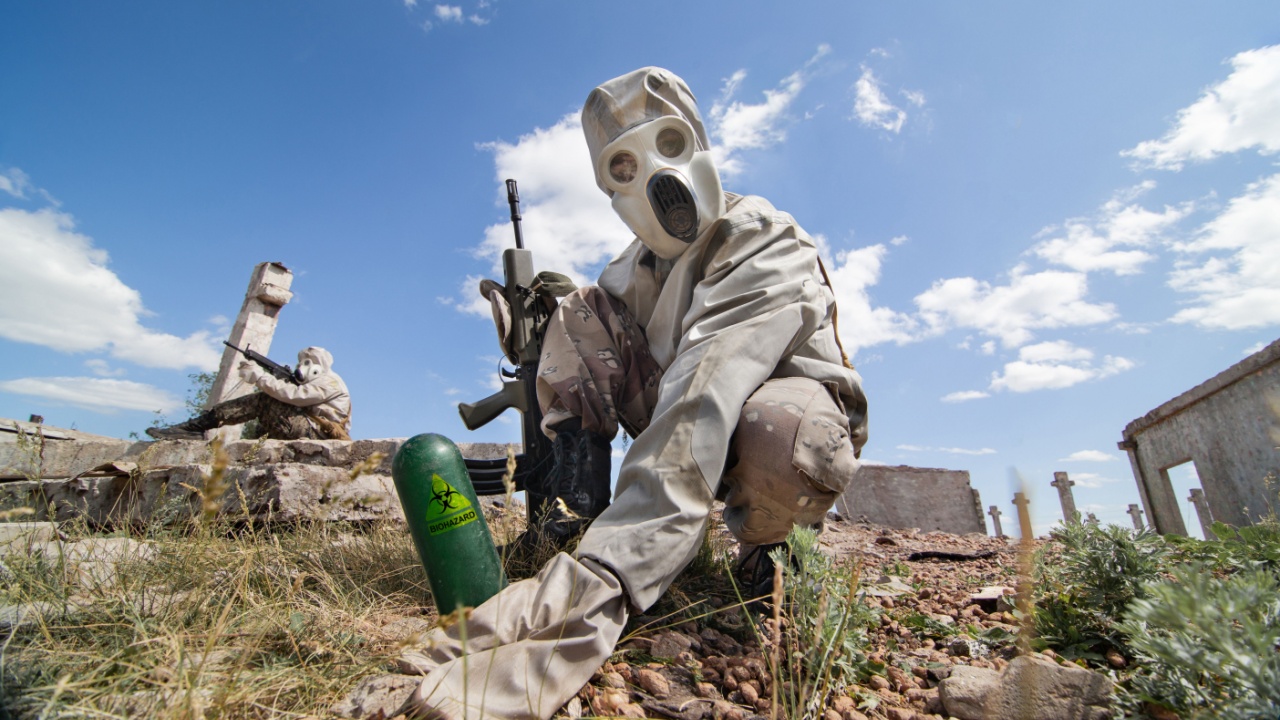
(1041, 221)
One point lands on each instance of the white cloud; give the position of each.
(102, 368)
(1092, 481)
(1236, 114)
(872, 108)
(964, 396)
(861, 324)
(899, 240)
(1050, 299)
(1090, 246)
(567, 223)
(1255, 348)
(15, 182)
(1240, 289)
(411, 4)
(56, 291)
(102, 395)
(1088, 456)
(737, 126)
(915, 97)
(449, 13)
(477, 20)
(950, 450)
(1053, 366)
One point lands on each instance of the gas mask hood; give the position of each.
(667, 192)
(651, 156)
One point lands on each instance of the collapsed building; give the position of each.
(1228, 427)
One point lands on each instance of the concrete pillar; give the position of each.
(995, 520)
(1202, 511)
(1024, 515)
(1135, 512)
(254, 327)
(1063, 484)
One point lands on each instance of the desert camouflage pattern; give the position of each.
(596, 366)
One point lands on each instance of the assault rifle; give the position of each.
(529, 313)
(281, 372)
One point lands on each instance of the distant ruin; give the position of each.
(1229, 428)
(900, 496)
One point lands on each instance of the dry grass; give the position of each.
(221, 622)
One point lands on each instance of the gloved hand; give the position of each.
(250, 372)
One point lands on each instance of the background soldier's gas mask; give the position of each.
(663, 188)
(312, 363)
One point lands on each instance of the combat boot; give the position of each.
(574, 491)
(581, 473)
(193, 429)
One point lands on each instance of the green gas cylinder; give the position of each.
(447, 522)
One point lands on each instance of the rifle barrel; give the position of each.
(513, 199)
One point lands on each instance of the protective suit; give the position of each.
(318, 407)
(712, 336)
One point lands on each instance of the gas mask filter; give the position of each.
(667, 192)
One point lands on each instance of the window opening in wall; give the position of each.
(1184, 478)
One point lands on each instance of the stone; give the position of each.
(377, 696)
(653, 683)
(964, 692)
(1039, 687)
(17, 537)
(669, 645)
(989, 598)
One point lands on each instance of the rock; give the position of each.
(1038, 687)
(17, 537)
(653, 683)
(669, 645)
(878, 683)
(988, 598)
(965, 647)
(377, 696)
(611, 701)
(965, 691)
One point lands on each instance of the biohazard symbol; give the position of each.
(447, 496)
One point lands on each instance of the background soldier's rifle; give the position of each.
(529, 313)
(280, 372)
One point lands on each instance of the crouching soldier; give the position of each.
(315, 406)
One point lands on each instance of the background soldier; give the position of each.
(314, 405)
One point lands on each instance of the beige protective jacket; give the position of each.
(325, 396)
(746, 302)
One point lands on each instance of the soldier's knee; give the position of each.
(790, 457)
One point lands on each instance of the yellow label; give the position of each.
(448, 508)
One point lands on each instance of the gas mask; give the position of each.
(667, 192)
(311, 365)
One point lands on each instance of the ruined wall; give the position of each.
(909, 497)
(1229, 427)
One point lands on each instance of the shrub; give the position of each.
(1206, 646)
(1086, 577)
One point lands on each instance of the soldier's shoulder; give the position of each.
(743, 212)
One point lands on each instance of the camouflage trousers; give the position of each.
(276, 420)
(789, 458)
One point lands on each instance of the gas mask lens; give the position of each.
(623, 167)
(670, 142)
